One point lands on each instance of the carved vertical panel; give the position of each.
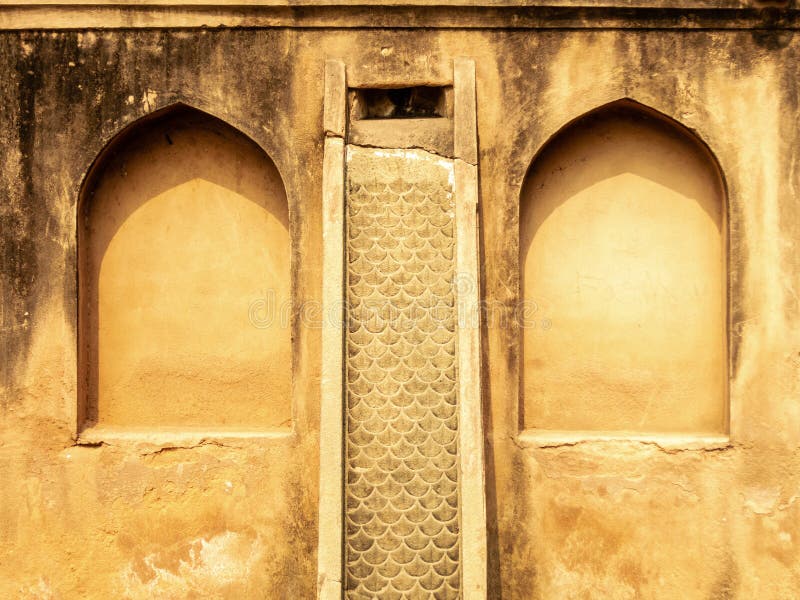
(401, 439)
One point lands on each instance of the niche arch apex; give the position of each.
(632, 190)
(113, 134)
(630, 104)
(183, 226)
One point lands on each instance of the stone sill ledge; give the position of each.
(533, 438)
(178, 438)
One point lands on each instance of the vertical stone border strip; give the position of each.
(335, 102)
(331, 485)
(465, 130)
(472, 479)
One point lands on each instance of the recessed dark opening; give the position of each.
(401, 103)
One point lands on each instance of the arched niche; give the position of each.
(623, 279)
(184, 280)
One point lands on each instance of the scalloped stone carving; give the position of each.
(401, 442)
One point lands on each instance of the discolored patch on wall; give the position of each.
(20, 217)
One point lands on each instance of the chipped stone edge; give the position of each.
(183, 437)
(471, 439)
(670, 443)
(151, 442)
(331, 444)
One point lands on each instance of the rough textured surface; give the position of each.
(593, 519)
(401, 445)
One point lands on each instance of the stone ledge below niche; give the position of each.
(182, 438)
(539, 438)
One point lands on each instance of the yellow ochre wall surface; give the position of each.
(700, 503)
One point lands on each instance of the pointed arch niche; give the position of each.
(184, 280)
(623, 265)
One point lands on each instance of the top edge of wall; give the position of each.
(708, 4)
(443, 14)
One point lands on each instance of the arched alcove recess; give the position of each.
(184, 276)
(623, 275)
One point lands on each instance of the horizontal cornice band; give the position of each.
(690, 15)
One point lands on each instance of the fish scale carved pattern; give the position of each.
(401, 442)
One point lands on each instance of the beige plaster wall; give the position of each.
(584, 518)
(622, 247)
(186, 283)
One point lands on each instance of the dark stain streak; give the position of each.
(19, 223)
(773, 35)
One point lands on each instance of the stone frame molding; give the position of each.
(472, 551)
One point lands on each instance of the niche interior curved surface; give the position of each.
(184, 271)
(623, 266)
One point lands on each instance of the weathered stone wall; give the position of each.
(182, 515)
